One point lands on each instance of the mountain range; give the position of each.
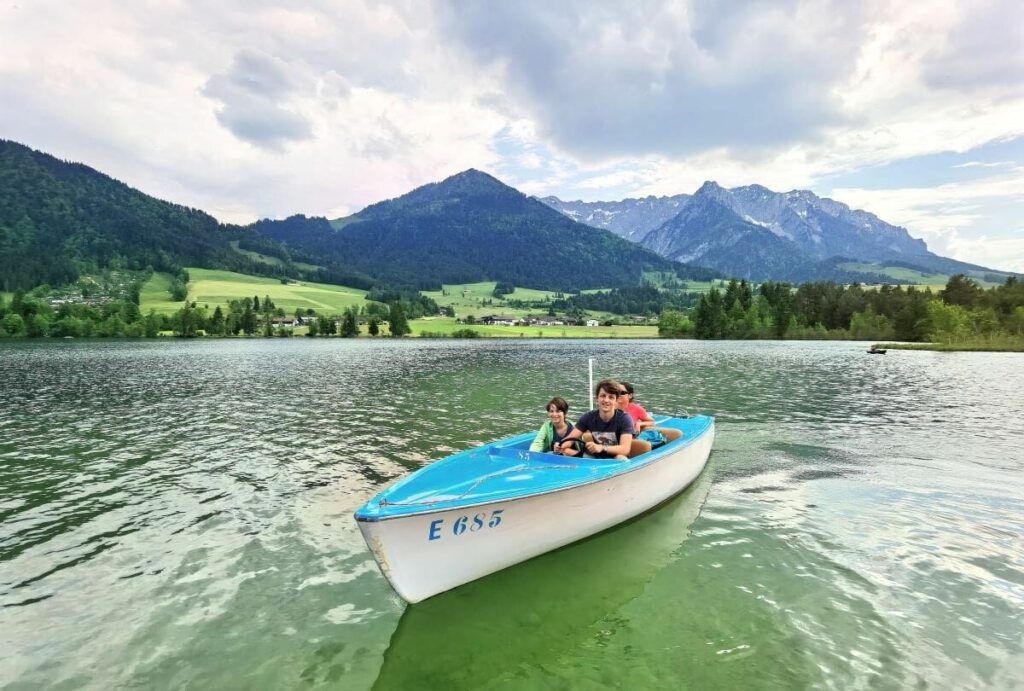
(471, 227)
(755, 233)
(60, 219)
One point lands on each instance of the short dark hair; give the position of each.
(609, 385)
(559, 404)
(628, 387)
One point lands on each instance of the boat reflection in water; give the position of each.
(528, 614)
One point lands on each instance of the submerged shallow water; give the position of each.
(179, 514)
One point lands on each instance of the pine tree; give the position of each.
(373, 328)
(217, 322)
(349, 326)
(399, 325)
(746, 296)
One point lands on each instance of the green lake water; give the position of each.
(179, 515)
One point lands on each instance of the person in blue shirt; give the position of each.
(610, 428)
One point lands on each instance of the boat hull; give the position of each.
(427, 553)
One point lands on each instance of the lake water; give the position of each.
(178, 514)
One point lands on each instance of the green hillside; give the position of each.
(215, 287)
(61, 220)
(477, 299)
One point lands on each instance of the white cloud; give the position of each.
(996, 252)
(251, 109)
(982, 164)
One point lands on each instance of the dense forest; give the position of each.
(959, 313)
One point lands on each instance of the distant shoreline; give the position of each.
(997, 346)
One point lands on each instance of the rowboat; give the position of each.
(484, 509)
(521, 618)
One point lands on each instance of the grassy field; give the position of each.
(256, 256)
(705, 286)
(1000, 344)
(210, 287)
(272, 261)
(446, 325)
(155, 295)
(467, 299)
(930, 280)
(899, 273)
(340, 223)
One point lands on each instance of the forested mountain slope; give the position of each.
(471, 227)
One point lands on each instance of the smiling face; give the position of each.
(607, 400)
(556, 416)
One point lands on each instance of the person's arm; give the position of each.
(644, 420)
(543, 438)
(622, 448)
(574, 433)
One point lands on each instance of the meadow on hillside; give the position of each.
(212, 287)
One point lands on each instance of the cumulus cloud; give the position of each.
(983, 49)
(254, 95)
(647, 77)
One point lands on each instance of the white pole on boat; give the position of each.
(590, 387)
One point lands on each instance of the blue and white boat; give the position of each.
(482, 510)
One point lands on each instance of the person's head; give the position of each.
(629, 390)
(557, 408)
(607, 391)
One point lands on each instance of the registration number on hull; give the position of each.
(464, 524)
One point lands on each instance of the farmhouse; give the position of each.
(499, 320)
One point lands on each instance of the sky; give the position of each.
(911, 110)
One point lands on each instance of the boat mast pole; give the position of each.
(590, 389)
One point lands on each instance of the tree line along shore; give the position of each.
(961, 316)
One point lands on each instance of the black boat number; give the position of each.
(464, 524)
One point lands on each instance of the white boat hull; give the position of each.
(428, 553)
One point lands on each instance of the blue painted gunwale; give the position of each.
(505, 470)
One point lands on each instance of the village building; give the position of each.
(499, 320)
